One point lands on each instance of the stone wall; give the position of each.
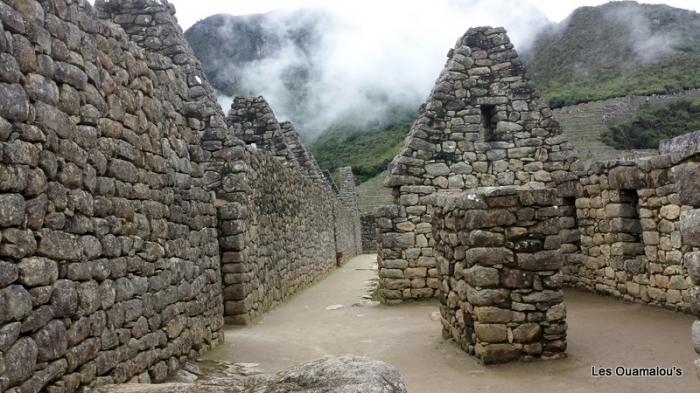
(110, 266)
(253, 121)
(368, 222)
(629, 218)
(498, 259)
(482, 125)
(684, 152)
(347, 213)
(276, 236)
(307, 163)
(282, 224)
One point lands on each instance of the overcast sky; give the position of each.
(190, 11)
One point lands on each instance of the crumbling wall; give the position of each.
(482, 125)
(498, 259)
(110, 266)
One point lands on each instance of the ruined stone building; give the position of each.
(135, 217)
(493, 214)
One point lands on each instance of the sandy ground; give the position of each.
(603, 332)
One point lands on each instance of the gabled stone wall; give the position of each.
(482, 125)
(302, 156)
(253, 121)
(498, 260)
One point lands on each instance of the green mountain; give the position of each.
(368, 149)
(616, 49)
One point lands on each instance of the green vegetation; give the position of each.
(654, 124)
(614, 50)
(367, 149)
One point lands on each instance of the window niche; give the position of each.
(489, 122)
(629, 231)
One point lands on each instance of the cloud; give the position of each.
(375, 56)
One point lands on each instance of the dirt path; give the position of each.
(602, 332)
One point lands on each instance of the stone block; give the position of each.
(626, 177)
(691, 261)
(491, 333)
(527, 332)
(488, 256)
(486, 296)
(686, 175)
(480, 276)
(493, 315)
(497, 353)
(541, 260)
(690, 227)
(397, 240)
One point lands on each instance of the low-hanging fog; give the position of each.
(374, 58)
(362, 62)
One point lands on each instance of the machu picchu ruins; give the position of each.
(153, 241)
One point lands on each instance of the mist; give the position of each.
(372, 58)
(649, 44)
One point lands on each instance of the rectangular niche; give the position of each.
(625, 218)
(489, 122)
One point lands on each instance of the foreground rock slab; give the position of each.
(331, 374)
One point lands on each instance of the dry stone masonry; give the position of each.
(254, 123)
(497, 253)
(110, 262)
(626, 228)
(126, 199)
(482, 125)
(368, 222)
(301, 155)
(281, 224)
(684, 152)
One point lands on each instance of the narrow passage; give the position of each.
(603, 332)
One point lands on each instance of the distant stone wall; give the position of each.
(368, 222)
(281, 226)
(498, 259)
(348, 214)
(110, 266)
(276, 239)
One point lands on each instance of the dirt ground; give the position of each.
(603, 332)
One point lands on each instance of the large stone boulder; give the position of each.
(331, 374)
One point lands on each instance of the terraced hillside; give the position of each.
(584, 123)
(372, 194)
